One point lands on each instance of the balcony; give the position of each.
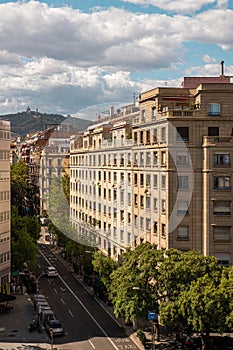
(217, 140)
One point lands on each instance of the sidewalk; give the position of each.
(14, 333)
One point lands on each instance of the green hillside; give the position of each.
(23, 123)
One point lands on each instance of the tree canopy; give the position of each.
(183, 287)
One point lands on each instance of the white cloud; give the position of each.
(180, 6)
(206, 58)
(62, 60)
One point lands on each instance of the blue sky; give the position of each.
(80, 57)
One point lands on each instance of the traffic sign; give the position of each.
(152, 315)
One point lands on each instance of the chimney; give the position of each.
(222, 68)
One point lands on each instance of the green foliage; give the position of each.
(142, 337)
(66, 186)
(133, 286)
(104, 266)
(23, 240)
(189, 286)
(19, 186)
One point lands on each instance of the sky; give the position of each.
(79, 58)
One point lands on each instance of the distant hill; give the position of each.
(27, 122)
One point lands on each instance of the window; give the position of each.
(183, 182)
(155, 227)
(141, 180)
(148, 202)
(163, 232)
(155, 136)
(143, 115)
(148, 225)
(182, 207)
(129, 198)
(182, 134)
(163, 158)
(148, 159)
(222, 233)
(222, 207)
(153, 113)
(163, 135)
(148, 180)
(141, 222)
(163, 181)
(155, 158)
(183, 232)
(213, 109)
(155, 204)
(223, 258)
(148, 136)
(155, 181)
(141, 136)
(163, 206)
(182, 159)
(222, 183)
(222, 158)
(142, 201)
(213, 131)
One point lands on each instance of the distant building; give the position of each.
(5, 236)
(161, 173)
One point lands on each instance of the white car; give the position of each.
(50, 271)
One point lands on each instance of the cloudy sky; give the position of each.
(79, 57)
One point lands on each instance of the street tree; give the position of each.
(133, 287)
(205, 306)
(23, 240)
(104, 266)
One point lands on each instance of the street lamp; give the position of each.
(37, 283)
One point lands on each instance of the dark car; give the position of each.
(54, 328)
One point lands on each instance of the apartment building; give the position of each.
(162, 175)
(54, 159)
(5, 243)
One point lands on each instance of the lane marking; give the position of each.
(71, 313)
(85, 308)
(63, 301)
(55, 290)
(91, 344)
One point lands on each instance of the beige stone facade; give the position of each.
(161, 174)
(5, 243)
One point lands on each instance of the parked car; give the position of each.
(50, 271)
(54, 328)
(47, 315)
(41, 305)
(38, 298)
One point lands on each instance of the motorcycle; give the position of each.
(35, 326)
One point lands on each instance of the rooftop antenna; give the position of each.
(222, 67)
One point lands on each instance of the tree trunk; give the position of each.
(135, 324)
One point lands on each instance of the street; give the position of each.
(85, 322)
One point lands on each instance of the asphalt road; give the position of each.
(86, 323)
